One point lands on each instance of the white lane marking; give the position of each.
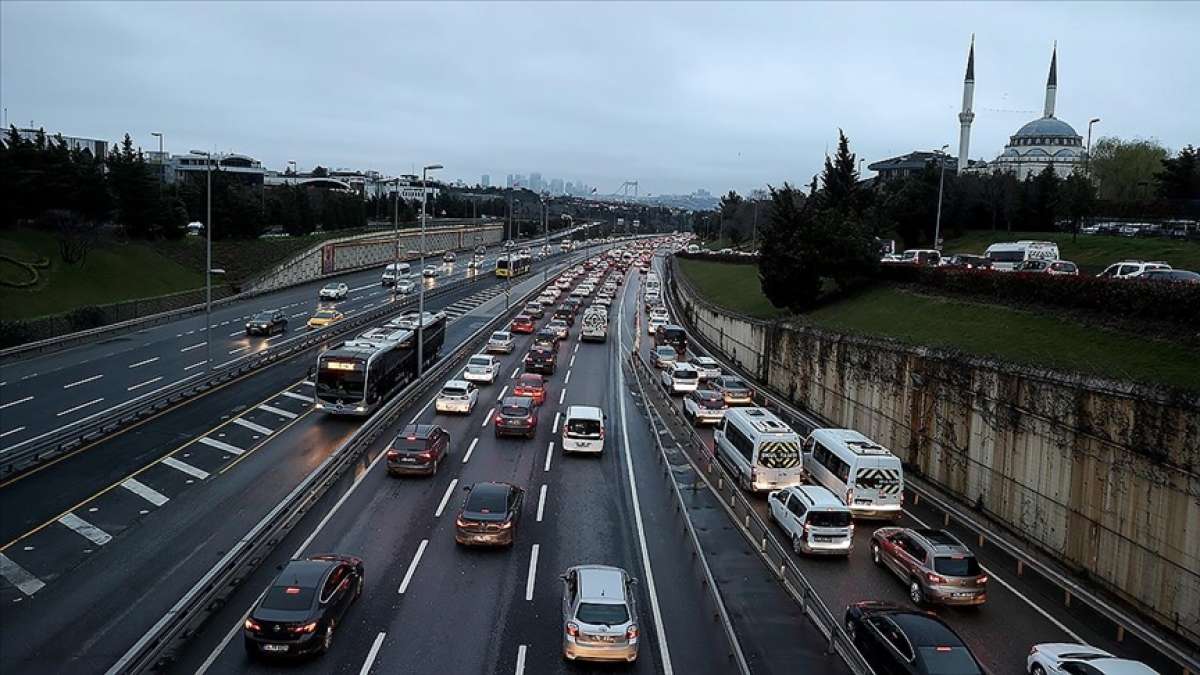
(664, 651)
(532, 572)
(11, 431)
(576, 350)
(308, 383)
(445, 498)
(554, 429)
(298, 315)
(467, 457)
(422, 410)
(85, 529)
(515, 371)
(195, 346)
(366, 666)
(572, 363)
(278, 411)
(252, 426)
(142, 363)
(488, 418)
(298, 397)
(221, 445)
(12, 403)
(502, 393)
(28, 377)
(541, 503)
(1014, 591)
(549, 454)
(562, 395)
(139, 385)
(195, 365)
(521, 660)
(362, 288)
(236, 333)
(567, 379)
(239, 349)
(185, 467)
(144, 491)
(68, 411)
(18, 576)
(412, 566)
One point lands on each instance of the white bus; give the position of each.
(867, 475)
(1009, 256)
(395, 272)
(762, 451)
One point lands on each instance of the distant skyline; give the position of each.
(676, 96)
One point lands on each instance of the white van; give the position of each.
(583, 429)
(395, 272)
(867, 475)
(1010, 256)
(595, 325)
(762, 451)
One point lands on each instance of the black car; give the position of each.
(303, 606)
(969, 262)
(489, 515)
(419, 448)
(567, 314)
(266, 323)
(541, 359)
(672, 336)
(902, 641)
(546, 338)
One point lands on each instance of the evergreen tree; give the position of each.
(1180, 175)
(1045, 197)
(839, 180)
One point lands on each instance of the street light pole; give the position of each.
(396, 233)
(162, 164)
(421, 292)
(1087, 161)
(937, 228)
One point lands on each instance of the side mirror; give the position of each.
(466, 488)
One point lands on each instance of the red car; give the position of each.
(522, 323)
(531, 385)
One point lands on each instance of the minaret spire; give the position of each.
(967, 116)
(1052, 82)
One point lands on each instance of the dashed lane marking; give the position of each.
(541, 503)
(533, 558)
(412, 567)
(85, 529)
(12, 403)
(144, 491)
(221, 445)
(554, 429)
(83, 381)
(445, 498)
(195, 346)
(298, 397)
(18, 576)
(470, 449)
(487, 418)
(142, 363)
(12, 431)
(371, 655)
(549, 456)
(278, 411)
(81, 406)
(185, 468)
(139, 385)
(252, 426)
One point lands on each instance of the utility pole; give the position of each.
(421, 292)
(937, 228)
(396, 234)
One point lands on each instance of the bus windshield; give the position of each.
(341, 383)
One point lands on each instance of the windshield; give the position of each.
(288, 598)
(331, 287)
(829, 518)
(1006, 256)
(734, 384)
(486, 501)
(454, 391)
(601, 614)
(947, 661)
(325, 314)
(336, 381)
(262, 316)
(686, 374)
(514, 411)
(665, 352)
(499, 337)
(480, 361)
(956, 566)
(583, 428)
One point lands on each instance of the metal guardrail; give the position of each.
(155, 649)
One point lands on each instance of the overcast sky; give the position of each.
(676, 96)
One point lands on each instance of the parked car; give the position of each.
(301, 609)
(734, 390)
(600, 618)
(936, 566)
(815, 519)
(532, 385)
(482, 368)
(664, 357)
(1172, 276)
(1130, 269)
(324, 317)
(1064, 658)
(704, 405)
(334, 291)
(456, 396)
(522, 323)
(489, 515)
(267, 323)
(418, 448)
(900, 641)
(517, 416)
(500, 342)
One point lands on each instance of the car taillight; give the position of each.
(632, 632)
(498, 419)
(428, 454)
(849, 496)
(251, 624)
(935, 578)
(572, 629)
(306, 628)
(459, 522)
(392, 454)
(982, 580)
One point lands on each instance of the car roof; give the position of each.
(461, 384)
(924, 630)
(418, 430)
(491, 488)
(601, 583)
(818, 497)
(304, 573)
(942, 541)
(589, 412)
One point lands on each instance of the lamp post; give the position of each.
(396, 234)
(421, 292)
(1087, 161)
(162, 164)
(545, 235)
(937, 228)
(208, 270)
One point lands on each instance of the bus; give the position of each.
(513, 265)
(356, 376)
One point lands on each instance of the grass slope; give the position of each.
(1092, 252)
(730, 285)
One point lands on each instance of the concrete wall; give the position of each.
(1102, 476)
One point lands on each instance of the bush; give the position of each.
(86, 317)
(1176, 303)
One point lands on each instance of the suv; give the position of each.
(894, 639)
(419, 448)
(680, 378)
(456, 396)
(937, 567)
(1127, 269)
(516, 416)
(489, 515)
(542, 360)
(301, 608)
(267, 323)
(704, 405)
(600, 621)
(814, 518)
(335, 291)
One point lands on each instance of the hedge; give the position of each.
(1177, 303)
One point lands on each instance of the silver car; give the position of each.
(501, 342)
(600, 621)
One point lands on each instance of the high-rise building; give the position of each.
(556, 186)
(508, 183)
(535, 182)
(570, 188)
(485, 180)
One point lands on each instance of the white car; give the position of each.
(704, 405)
(406, 286)
(660, 313)
(680, 378)
(334, 291)
(482, 368)
(456, 396)
(560, 327)
(653, 324)
(546, 299)
(816, 520)
(1053, 658)
(501, 342)
(707, 365)
(1132, 269)
(430, 271)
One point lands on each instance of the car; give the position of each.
(324, 317)
(546, 338)
(449, 257)
(267, 323)
(522, 323)
(704, 405)
(660, 313)
(334, 292)
(561, 328)
(430, 272)
(501, 342)
(680, 378)
(489, 515)
(482, 368)
(1130, 269)
(532, 385)
(1171, 276)
(665, 357)
(475, 264)
(546, 299)
(816, 520)
(654, 324)
(1050, 267)
(936, 566)
(734, 390)
(709, 368)
(456, 396)
(418, 448)
(480, 249)
(541, 359)
(405, 286)
(898, 640)
(301, 609)
(534, 310)
(599, 614)
(516, 416)
(566, 313)
(1063, 658)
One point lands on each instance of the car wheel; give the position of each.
(851, 631)
(1037, 669)
(914, 592)
(327, 638)
(744, 482)
(875, 554)
(796, 543)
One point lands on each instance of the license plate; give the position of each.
(822, 539)
(408, 460)
(963, 595)
(274, 648)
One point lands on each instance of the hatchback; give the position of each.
(517, 416)
(419, 448)
(600, 619)
(522, 323)
(531, 385)
(490, 514)
(904, 641)
(266, 323)
(541, 359)
(303, 606)
(935, 565)
(456, 396)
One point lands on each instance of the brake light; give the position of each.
(944, 649)
(572, 629)
(983, 579)
(392, 454)
(935, 578)
(632, 632)
(428, 454)
(251, 624)
(498, 418)
(306, 628)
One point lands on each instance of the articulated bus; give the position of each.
(513, 265)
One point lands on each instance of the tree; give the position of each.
(320, 172)
(134, 187)
(786, 278)
(1078, 200)
(1125, 171)
(839, 180)
(1045, 197)
(1180, 175)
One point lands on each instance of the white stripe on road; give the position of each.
(567, 379)
(83, 381)
(445, 498)
(195, 365)
(278, 411)
(541, 503)
(12, 403)
(185, 467)
(11, 431)
(515, 371)
(81, 406)
(471, 449)
(239, 349)
(308, 383)
(236, 333)
(362, 288)
(561, 395)
(572, 363)
(142, 363)
(253, 427)
(502, 393)
(221, 445)
(549, 454)
(366, 666)
(144, 491)
(19, 577)
(298, 315)
(532, 573)
(298, 397)
(521, 660)
(195, 346)
(139, 385)
(412, 567)
(85, 529)
(488, 418)
(554, 429)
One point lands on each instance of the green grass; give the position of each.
(1092, 252)
(112, 272)
(730, 285)
(1011, 335)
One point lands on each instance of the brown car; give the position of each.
(490, 514)
(937, 567)
(420, 448)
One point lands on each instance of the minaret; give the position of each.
(967, 116)
(1052, 82)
